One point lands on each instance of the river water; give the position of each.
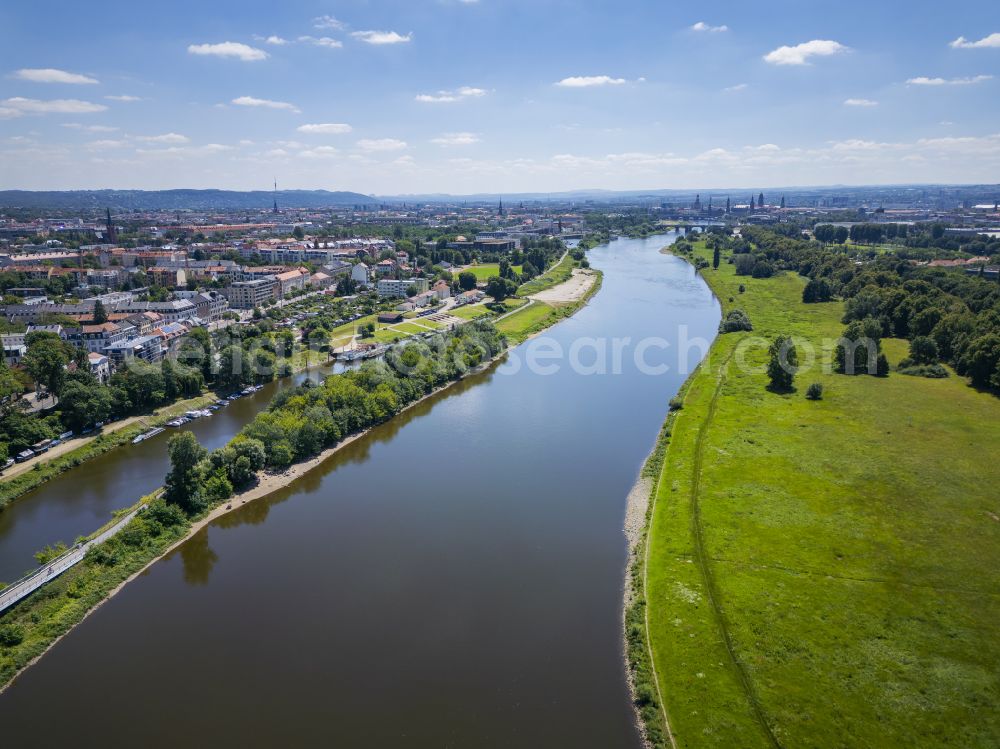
(453, 579)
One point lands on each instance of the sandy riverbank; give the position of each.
(573, 289)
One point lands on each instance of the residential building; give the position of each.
(397, 287)
(250, 294)
(148, 348)
(98, 338)
(100, 366)
(14, 348)
(361, 274)
(293, 280)
(442, 290)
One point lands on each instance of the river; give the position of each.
(453, 579)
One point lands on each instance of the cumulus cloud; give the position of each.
(445, 97)
(993, 40)
(801, 53)
(52, 75)
(325, 128)
(275, 40)
(381, 144)
(320, 152)
(253, 101)
(238, 50)
(51, 106)
(860, 103)
(170, 138)
(587, 81)
(381, 37)
(123, 97)
(702, 26)
(456, 139)
(925, 81)
(9, 113)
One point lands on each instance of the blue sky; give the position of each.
(395, 97)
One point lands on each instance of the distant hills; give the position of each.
(147, 200)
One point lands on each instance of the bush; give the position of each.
(735, 320)
(676, 404)
(11, 635)
(814, 392)
(742, 288)
(934, 371)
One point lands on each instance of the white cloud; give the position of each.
(323, 41)
(90, 128)
(252, 101)
(860, 103)
(800, 53)
(103, 145)
(381, 37)
(993, 40)
(9, 113)
(52, 75)
(737, 87)
(325, 128)
(445, 97)
(327, 22)
(381, 144)
(240, 51)
(456, 139)
(51, 106)
(275, 40)
(702, 26)
(925, 81)
(586, 81)
(123, 97)
(171, 138)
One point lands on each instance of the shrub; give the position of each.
(11, 635)
(742, 288)
(676, 404)
(934, 371)
(735, 320)
(814, 392)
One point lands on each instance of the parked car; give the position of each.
(25, 455)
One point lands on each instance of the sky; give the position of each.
(395, 97)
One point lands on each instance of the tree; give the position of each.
(84, 404)
(716, 257)
(46, 360)
(467, 280)
(783, 365)
(100, 314)
(814, 392)
(298, 233)
(817, 290)
(500, 288)
(923, 350)
(183, 483)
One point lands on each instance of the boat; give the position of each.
(177, 423)
(147, 435)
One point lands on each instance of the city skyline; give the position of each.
(400, 98)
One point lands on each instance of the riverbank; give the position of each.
(818, 572)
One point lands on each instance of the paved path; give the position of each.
(28, 585)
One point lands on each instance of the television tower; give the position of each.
(275, 196)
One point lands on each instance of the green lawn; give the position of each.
(484, 271)
(825, 573)
(469, 311)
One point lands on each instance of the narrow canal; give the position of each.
(454, 579)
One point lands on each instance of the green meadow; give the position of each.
(822, 573)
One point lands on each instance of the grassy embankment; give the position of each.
(14, 486)
(821, 573)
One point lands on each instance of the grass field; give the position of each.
(825, 573)
(469, 311)
(558, 273)
(483, 271)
